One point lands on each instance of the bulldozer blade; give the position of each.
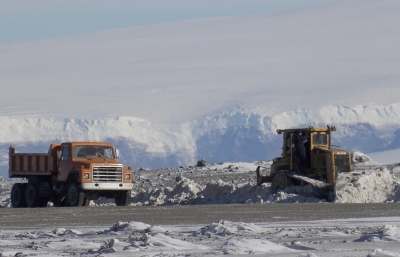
(258, 176)
(261, 178)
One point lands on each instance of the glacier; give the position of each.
(237, 135)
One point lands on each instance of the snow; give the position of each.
(369, 237)
(374, 186)
(252, 246)
(223, 183)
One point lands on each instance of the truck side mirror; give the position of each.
(117, 153)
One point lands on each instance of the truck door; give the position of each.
(64, 163)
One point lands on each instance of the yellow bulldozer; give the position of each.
(320, 166)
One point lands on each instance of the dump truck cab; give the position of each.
(94, 164)
(322, 162)
(92, 169)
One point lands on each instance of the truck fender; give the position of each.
(73, 176)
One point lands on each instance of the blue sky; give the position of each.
(31, 20)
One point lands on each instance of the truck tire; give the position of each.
(123, 198)
(75, 195)
(18, 195)
(32, 197)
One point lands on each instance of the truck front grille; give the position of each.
(342, 163)
(107, 174)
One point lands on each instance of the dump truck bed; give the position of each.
(28, 164)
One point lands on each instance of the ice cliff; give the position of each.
(236, 135)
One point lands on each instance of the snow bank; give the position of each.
(218, 192)
(367, 187)
(185, 191)
(370, 183)
(5, 190)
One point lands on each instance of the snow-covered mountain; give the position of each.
(216, 88)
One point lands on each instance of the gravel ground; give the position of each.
(233, 173)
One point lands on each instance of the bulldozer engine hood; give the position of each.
(329, 150)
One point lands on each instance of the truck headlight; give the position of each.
(127, 176)
(86, 175)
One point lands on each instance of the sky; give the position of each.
(32, 20)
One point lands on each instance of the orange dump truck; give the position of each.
(69, 174)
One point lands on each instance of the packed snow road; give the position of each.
(191, 214)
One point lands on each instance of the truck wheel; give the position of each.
(18, 195)
(75, 195)
(123, 198)
(32, 198)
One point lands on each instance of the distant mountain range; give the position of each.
(229, 136)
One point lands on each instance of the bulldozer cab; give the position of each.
(311, 137)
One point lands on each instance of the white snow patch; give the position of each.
(160, 240)
(361, 157)
(382, 253)
(391, 233)
(252, 246)
(227, 228)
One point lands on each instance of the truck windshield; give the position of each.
(93, 151)
(320, 139)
